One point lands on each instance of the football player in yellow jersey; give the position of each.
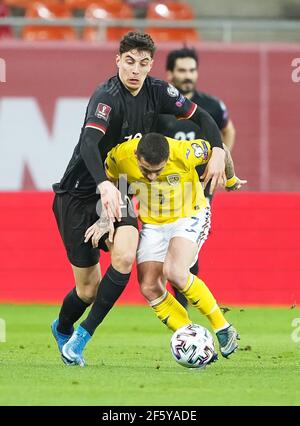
(176, 220)
(168, 189)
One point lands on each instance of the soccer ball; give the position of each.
(192, 346)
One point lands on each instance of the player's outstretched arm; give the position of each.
(215, 170)
(209, 128)
(110, 195)
(105, 223)
(111, 199)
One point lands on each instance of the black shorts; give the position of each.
(74, 216)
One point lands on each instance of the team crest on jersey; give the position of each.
(103, 111)
(200, 150)
(173, 179)
(172, 91)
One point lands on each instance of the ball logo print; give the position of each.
(192, 346)
(2, 71)
(296, 71)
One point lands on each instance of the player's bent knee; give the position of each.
(123, 260)
(150, 291)
(176, 276)
(87, 287)
(87, 293)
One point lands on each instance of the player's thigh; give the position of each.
(153, 244)
(194, 228)
(123, 249)
(187, 237)
(150, 271)
(180, 255)
(151, 279)
(87, 276)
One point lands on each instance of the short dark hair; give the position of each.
(138, 41)
(154, 148)
(185, 52)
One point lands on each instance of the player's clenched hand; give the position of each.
(215, 170)
(98, 229)
(111, 200)
(234, 183)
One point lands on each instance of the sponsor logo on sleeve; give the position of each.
(180, 101)
(172, 91)
(103, 111)
(200, 150)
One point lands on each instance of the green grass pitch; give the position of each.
(129, 362)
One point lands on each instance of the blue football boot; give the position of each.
(60, 338)
(72, 350)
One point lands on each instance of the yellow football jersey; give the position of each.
(176, 193)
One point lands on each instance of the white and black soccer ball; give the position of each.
(192, 346)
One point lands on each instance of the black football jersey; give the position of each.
(120, 116)
(187, 129)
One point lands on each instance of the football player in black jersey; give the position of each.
(182, 72)
(125, 106)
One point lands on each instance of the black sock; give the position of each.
(72, 309)
(180, 298)
(195, 268)
(110, 289)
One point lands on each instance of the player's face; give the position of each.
(134, 66)
(184, 76)
(150, 171)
